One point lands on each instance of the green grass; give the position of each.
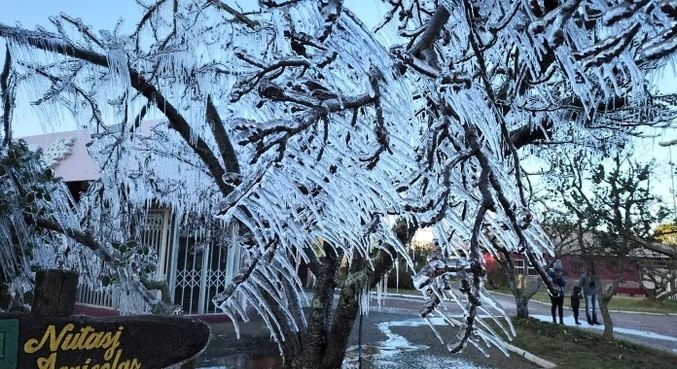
(618, 302)
(574, 348)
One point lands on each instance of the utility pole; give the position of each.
(669, 145)
(672, 184)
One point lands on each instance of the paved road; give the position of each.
(394, 337)
(654, 330)
(390, 340)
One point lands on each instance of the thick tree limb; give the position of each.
(52, 43)
(83, 238)
(655, 247)
(432, 31)
(222, 140)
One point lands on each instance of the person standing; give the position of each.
(589, 287)
(576, 303)
(557, 301)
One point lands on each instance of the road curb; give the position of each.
(530, 357)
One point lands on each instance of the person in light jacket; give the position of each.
(590, 291)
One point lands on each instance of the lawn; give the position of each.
(618, 302)
(574, 348)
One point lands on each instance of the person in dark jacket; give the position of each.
(576, 302)
(557, 301)
(588, 284)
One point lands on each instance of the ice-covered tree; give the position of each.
(297, 123)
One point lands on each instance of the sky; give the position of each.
(104, 14)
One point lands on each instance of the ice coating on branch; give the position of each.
(299, 124)
(36, 214)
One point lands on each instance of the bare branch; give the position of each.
(239, 16)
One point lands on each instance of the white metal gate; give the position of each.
(202, 267)
(197, 264)
(195, 261)
(156, 235)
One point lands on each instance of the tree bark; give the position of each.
(342, 324)
(604, 299)
(522, 305)
(314, 340)
(325, 340)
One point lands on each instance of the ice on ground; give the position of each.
(396, 350)
(389, 353)
(424, 361)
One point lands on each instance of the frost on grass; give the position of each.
(297, 123)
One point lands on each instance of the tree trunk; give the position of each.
(344, 319)
(606, 317)
(521, 300)
(325, 341)
(604, 299)
(521, 297)
(314, 339)
(521, 304)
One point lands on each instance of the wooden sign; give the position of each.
(79, 342)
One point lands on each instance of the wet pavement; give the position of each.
(394, 337)
(390, 341)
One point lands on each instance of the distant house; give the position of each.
(575, 266)
(194, 267)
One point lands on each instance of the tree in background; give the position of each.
(613, 211)
(295, 123)
(666, 233)
(560, 230)
(658, 277)
(658, 272)
(522, 290)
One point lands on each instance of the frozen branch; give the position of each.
(7, 96)
(226, 148)
(278, 132)
(432, 31)
(230, 10)
(51, 43)
(331, 9)
(83, 238)
(421, 54)
(146, 19)
(83, 29)
(379, 129)
(245, 273)
(60, 84)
